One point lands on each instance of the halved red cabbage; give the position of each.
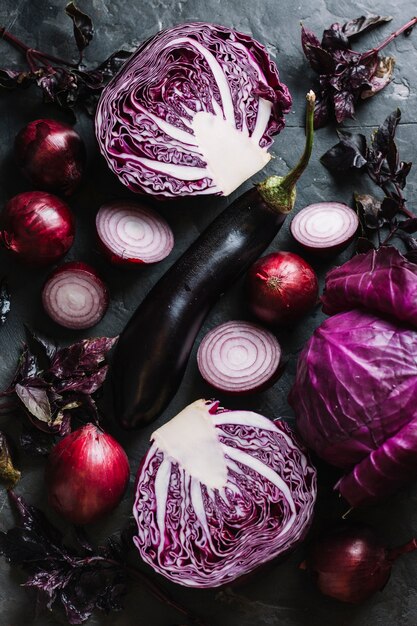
(381, 280)
(219, 493)
(356, 384)
(193, 111)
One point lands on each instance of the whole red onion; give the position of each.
(350, 563)
(38, 227)
(86, 475)
(51, 155)
(281, 288)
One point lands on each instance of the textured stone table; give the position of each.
(284, 596)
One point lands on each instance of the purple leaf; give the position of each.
(349, 152)
(362, 24)
(320, 60)
(334, 38)
(83, 357)
(343, 105)
(380, 79)
(83, 26)
(36, 401)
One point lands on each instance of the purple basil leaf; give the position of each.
(4, 301)
(402, 173)
(353, 28)
(36, 401)
(334, 38)
(385, 134)
(83, 26)
(47, 346)
(344, 105)
(32, 519)
(320, 60)
(408, 226)
(83, 357)
(349, 152)
(85, 384)
(410, 242)
(380, 78)
(322, 111)
(369, 209)
(390, 207)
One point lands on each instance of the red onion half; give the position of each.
(87, 474)
(281, 288)
(37, 227)
(239, 357)
(74, 296)
(325, 227)
(51, 155)
(132, 233)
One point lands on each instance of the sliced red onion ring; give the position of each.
(74, 296)
(239, 357)
(325, 227)
(131, 233)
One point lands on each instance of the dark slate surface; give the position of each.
(284, 595)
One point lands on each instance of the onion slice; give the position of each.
(74, 296)
(325, 227)
(239, 357)
(132, 233)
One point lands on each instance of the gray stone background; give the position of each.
(283, 596)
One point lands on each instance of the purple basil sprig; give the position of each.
(51, 382)
(65, 83)
(379, 159)
(79, 578)
(345, 75)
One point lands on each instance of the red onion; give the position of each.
(325, 228)
(132, 233)
(51, 155)
(37, 227)
(350, 563)
(281, 288)
(87, 474)
(239, 357)
(74, 296)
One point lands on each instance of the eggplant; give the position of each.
(153, 350)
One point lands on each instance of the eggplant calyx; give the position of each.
(279, 191)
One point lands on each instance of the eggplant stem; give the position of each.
(292, 177)
(278, 192)
(407, 547)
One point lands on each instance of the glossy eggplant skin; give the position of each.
(153, 350)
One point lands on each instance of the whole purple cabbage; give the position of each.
(193, 111)
(356, 385)
(219, 493)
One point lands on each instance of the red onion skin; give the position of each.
(37, 227)
(350, 563)
(281, 288)
(86, 475)
(51, 155)
(79, 266)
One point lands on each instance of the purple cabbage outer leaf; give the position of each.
(383, 281)
(219, 493)
(189, 86)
